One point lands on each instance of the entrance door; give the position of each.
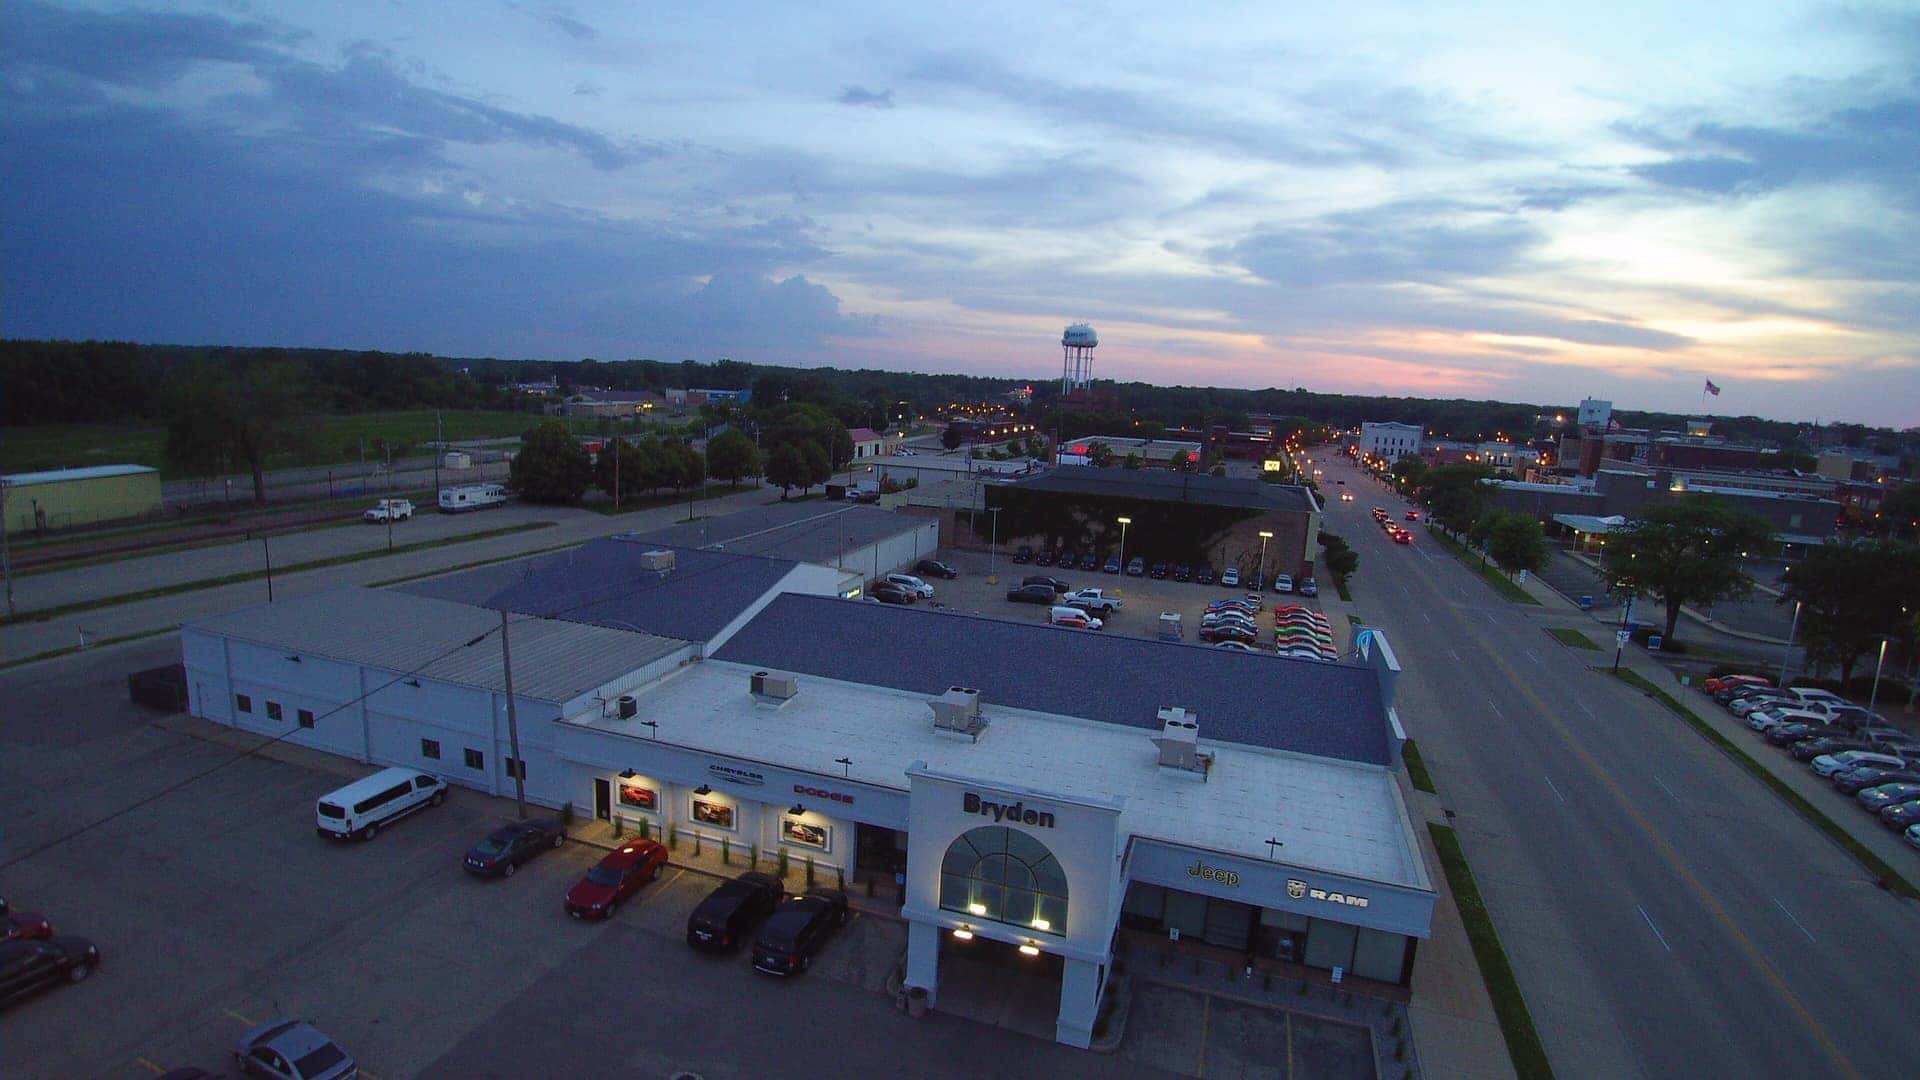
(603, 799)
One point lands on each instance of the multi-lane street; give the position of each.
(1666, 914)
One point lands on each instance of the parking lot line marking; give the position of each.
(1491, 704)
(1556, 791)
(1426, 616)
(1655, 929)
(1206, 1009)
(1794, 921)
(1455, 655)
(1584, 709)
(240, 1018)
(1665, 788)
(157, 1069)
(1531, 655)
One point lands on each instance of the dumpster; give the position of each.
(1586, 601)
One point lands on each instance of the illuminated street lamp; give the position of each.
(1260, 582)
(1124, 522)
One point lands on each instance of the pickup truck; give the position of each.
(385, 509)
(1096, 601)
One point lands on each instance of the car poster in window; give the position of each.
(795, 831)
(719, 815)
(640, 798)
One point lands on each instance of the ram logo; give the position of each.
(1296, 888)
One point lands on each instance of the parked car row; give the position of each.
(1856, 751)
(908, 588)
(1298, 632)
(1138, 566)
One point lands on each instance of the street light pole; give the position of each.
(1788, 654)
(269, 554)
(993, 541)
(1124, 522)
(1874, 698)
(6, 562)
(1260, 581)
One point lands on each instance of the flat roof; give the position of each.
(1588, 523)
(90, 472)
(810, 532)
(1158, 484)
(1332, 710)
(1336, 816)
(603, 583)
(553, 661)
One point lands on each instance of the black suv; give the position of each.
(1157, 571)
(1023, 554)
(1053, 583)
(1043, 557)
(935, 568)
(1032, 594)
(729, 912)
(1204, 575)
(28, 967)
(1183, 572)
(797, 930)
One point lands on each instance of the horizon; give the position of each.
(1481, 206)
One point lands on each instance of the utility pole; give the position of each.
(6, 561)
(269, 554)
(519, 767)
(616, 476)
(439, 451)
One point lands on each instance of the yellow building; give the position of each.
(66, 498)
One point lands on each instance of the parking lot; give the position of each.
(981, 589)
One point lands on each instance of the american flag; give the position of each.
(1712, 389)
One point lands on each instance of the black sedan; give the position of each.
(729, 912)
(797, 930)
(1854, 781)
(1876, 799)
(1043, 557)
(1158, 571)
(1901, 815)
(1183, 572)
(1090, 561)
(1053, 583)
(1023, 554)
(935, 568)
(28, 967)
(1032, 594)
(1808, 749)
(1204, 575)
(1788, 734)
(888, 593)
(506, 847)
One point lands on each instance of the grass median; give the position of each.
(1567, 635)
(1889, 877)
(44, 614)
(1516, 1023)
(51, 654)
(1417, 767)
(1487, 571)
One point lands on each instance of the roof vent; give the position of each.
(958, 710)
(773, 686)
(1179, 741)
(659, 560)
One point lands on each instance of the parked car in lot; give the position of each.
(912, 584)
(1741, 706)
(1183, 572)
(1203, 574)
(1053, 583)
(292, 1050)
(1855, 780)
(614, 878)
(732, 910)
(1901, 816)
(1912, 836)
(1788, 734)
(1043, 557)
(1283, 583)
(1413, 515)
(1809, 748)
(1881, 796)
(1828, 764)
(1230, 576)
(1089, 561)
(506, 847)
(935, 568)
(797, 930)
(1722, 682)
(389, 510)
(1032, 594)
(1158, 571)
(1229, 632)
(30, 965)
(1073, 617)
(1767, 719)
(1136, 567)
(1111, 566)
(888, 593)
(1727, 695)
(1098, 601)
(1235, 646)
(23, 925)
(1023, 554)
(1309, 587)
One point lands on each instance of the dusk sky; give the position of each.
(1523, 201)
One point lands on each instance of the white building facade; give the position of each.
(1390, 441)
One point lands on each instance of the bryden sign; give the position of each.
(1010, 813)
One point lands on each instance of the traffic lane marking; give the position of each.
(1794, 921)
(156, 1069)
(1555, 790)
(1665, 788)
(1655, 929)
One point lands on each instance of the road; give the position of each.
(1665, 914)
(23, 639)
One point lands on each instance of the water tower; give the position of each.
(1076, 369)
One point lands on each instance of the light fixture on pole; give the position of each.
(1873, 699)
(1787, 653)
(628, 774)
(1124, 522)
(798, 810)
(703, 790)
(1260, 581)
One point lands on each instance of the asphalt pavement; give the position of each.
(1665, 914)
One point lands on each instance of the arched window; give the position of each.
(1005, 875)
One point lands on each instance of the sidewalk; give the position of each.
(1696, 615)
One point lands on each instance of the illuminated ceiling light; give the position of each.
(977, 909)
(963, 934)
(1029, 950)
(1042, 924)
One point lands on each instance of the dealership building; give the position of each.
(1034, 788)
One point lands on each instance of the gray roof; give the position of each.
(1160, 484)
(602, 583)
(392, 630)
(809, 532)
(1327, 709)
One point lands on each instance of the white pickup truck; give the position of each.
(1096, 601)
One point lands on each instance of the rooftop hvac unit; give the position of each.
(774, 685)
(628, 706)
(659, 560)
(1179, 741)
(958, 710)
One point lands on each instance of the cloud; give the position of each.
(1404, 242)
(570, 26)
(861, 96)
(588, 89)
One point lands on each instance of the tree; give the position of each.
(1686, 552)
(1900, 510)
(1516, 542)
(631, 470)
(551, 467)
(1455, 495)
(1851, 595)
(1409, 471)
(787, 467)
(220, 418)
(687, 468)
(1133, 461)
(731, 455)
(951, 438)
(1340, 560)
(1099, 455)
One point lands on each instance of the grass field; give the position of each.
(335, 439)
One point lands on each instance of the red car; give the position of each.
(23, 925)
(1413, 515)
(615, 878)
(1714, 686)
(1402, 536)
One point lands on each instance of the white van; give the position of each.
(472, 497)
(358, 810)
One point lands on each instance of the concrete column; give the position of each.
(1079, 1003)
(923, 959)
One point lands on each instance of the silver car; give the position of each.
(292, 1050)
